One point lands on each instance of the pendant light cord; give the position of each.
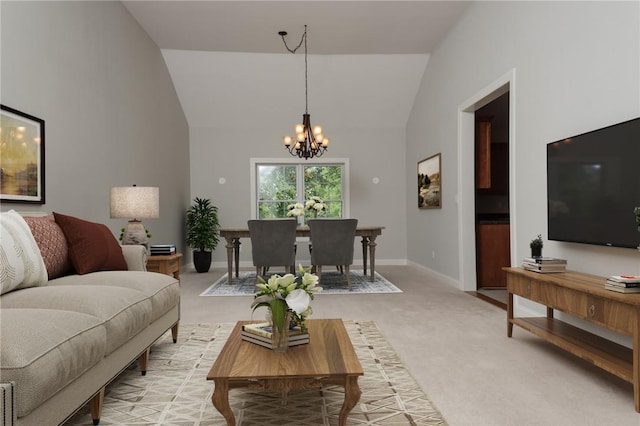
(294, 50)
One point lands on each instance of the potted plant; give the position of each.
(202, 232)
(536, 246)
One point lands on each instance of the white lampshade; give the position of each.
(135, 202)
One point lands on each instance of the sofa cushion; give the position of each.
(124, 312)
(52, 244)
(21, 264)
(162, 290)
(92, 246)
(44, 350)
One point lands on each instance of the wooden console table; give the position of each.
(583, 296)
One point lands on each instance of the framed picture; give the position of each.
(21, 157)
(429, 183)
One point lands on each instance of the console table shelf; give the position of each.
(583, 296)
(610, 356)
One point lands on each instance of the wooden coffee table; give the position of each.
(329, 359)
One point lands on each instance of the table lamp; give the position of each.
(135, 202)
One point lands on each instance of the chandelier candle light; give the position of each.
(308, 141)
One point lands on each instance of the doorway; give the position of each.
(492, 219)
(466, 197)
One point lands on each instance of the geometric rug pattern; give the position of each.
(332, 282)
(175, 390)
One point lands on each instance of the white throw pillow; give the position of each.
(21, 264)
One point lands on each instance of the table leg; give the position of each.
(236, 248)
(230, 247)
(352, 394)
(220, 400)
(372, 256)
(509, 313)
(365, 245)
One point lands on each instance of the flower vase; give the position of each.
(280, 334)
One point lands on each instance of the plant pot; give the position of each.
(202, 260)
(536, 251)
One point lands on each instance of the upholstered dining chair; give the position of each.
(273, 244)
(332, 241)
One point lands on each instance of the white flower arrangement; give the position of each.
(315, 205)
(296, 210)
(282, 294)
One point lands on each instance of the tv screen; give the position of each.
(593, 186)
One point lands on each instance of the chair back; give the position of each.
(332, 241)
(273, 242)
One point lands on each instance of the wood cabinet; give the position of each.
(493, 250)
(583, 296)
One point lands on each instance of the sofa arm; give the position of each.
(136, 257)
(8, 412)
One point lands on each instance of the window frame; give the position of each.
(255, 162)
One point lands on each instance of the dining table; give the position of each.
(368, 235)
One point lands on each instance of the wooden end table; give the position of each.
(329, 359)
(169, 265)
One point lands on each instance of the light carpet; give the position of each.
(331, 283)
(175, 390)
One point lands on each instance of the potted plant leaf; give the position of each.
(202, 232)
(536, 246)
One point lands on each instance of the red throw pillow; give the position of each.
(92, 246)
(52, 244)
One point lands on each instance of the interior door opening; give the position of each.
(491, 195)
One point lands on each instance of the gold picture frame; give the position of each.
(21, 157)
(430, 183)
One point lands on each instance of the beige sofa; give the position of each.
(63, 340)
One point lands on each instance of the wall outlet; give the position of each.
(433, 254)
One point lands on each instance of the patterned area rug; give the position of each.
(175, 390)
(331, 283)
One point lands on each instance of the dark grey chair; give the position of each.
(332, 241)
(273, 243)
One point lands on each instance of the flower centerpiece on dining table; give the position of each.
(288, 298)
(315, 206)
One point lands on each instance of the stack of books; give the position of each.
(260, 334)
(544, 265)
(623, 283)
(162, 249)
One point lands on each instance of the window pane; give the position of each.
(276, 183)
(325, 182)
(272, 209)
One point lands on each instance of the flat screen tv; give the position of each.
(593, 186)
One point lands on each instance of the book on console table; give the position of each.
(545, 260)
(621, 289)
(537, 267)
(625, 279)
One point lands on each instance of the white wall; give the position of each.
(112, 117)
(239, 105)
(576, 67)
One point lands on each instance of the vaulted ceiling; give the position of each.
(230, 67)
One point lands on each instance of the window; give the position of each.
(278, 183)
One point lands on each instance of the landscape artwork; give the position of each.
(21, 157)
(429, 184)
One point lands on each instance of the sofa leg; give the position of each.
(143, 361)
(174, 332)
(95, 406)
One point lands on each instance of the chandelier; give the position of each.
(307, 142)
